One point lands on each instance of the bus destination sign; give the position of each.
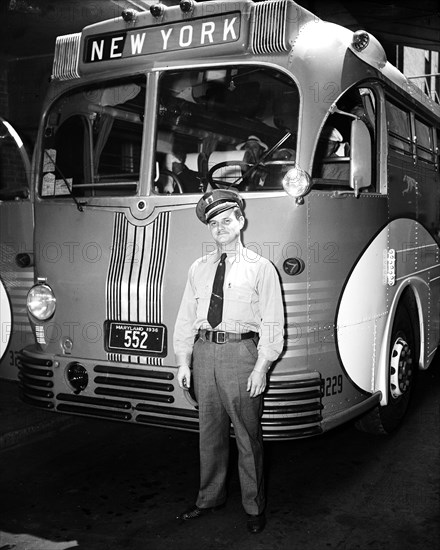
(217, 30)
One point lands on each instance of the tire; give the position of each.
(402, 370)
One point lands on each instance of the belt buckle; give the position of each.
(220, 337)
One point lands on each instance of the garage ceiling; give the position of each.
(29, 27)
(414, 23)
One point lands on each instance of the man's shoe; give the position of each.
(255, 523)
(195, 512)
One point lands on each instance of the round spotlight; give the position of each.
(157, 10)
(297, 182)
(77, 377)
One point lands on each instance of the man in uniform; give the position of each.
(230, 329)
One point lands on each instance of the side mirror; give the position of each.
(360, 163)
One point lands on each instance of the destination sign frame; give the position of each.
(175, 36)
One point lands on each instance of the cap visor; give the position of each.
(219, 208)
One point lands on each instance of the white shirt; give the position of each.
(252, 301)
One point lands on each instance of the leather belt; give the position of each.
(221, 337)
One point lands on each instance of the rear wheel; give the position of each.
(402, 368)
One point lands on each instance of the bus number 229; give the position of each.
(333, 385)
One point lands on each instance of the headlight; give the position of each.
(297, 182)
(41, 302)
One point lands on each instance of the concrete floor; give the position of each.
(97, 485)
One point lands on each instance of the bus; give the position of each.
(16, 248)
(335, 154)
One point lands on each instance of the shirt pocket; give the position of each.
(203, 297)
(237, 304)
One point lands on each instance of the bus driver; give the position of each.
(230, 323)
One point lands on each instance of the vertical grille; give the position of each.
(134, 288)
(65, 63)
(269, 27)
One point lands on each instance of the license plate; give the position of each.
(136, 338)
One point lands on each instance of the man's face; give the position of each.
(225, 228)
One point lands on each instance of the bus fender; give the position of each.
(410, 291)
(402, 256)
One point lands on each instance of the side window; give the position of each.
(63, 164)
(333, 154)
(14, 164)
(399, 129)
(425, 142)
(93, 141)
(437, 149)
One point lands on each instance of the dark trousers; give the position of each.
(220, 373)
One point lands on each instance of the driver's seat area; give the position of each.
(225, 175)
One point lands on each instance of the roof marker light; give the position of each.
(361, 39)
(129, 16)
(187, 5)
(157, 10)
(368, 48)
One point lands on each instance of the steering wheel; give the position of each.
(245, 169)
(176, 182)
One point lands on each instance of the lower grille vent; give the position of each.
(139, 384)
(167, 422)
(94, 401)
(293, 408)
(124, 371)
(34, 374)
(90, 411)
(115, 392)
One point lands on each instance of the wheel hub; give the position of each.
(401, 369)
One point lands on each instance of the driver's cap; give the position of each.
(217, 201)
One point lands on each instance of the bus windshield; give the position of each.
(93, 141)
(216, 124)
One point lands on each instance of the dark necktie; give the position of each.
(215, 310)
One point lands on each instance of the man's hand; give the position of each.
(257, 379)
(184, 377)
(256, 383)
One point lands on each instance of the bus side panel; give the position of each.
(277, 233)
(74, 264)
(386, 268)
(414, 190)
(428, 252)
(277, 229)
(16, 230)
(341, 231)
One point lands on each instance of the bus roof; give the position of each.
(137, 41)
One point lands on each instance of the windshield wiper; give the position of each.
(79, 205)
(262, 159)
